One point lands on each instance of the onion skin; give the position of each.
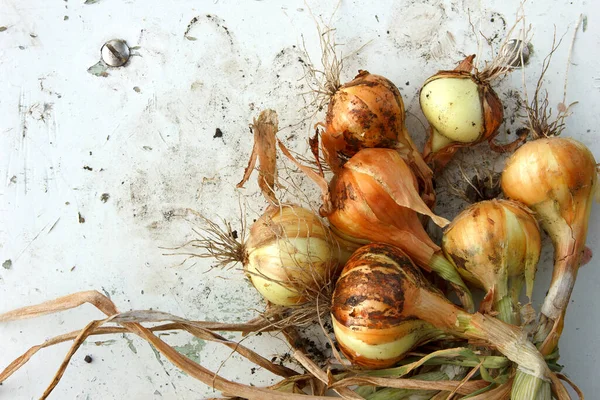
(555, 177)
(496, 245)
(446, 121)
(380, 288)
(289, 253)
(368, 112)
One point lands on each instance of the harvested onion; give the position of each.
(496, 245)
(374, 198)
(380, 288)
(462, 108)
(367, 312)
(556, 178)
(289, 254)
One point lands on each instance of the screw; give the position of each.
(514, 50)
(115, 52)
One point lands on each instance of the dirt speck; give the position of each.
(87, 168)
(137, 89)
(3, 28)
(104, 197)
(7, 264)
(81, 219)
(88, 359)
(66, 18)
(218, 133)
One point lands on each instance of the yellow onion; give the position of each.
(496, 245)
(374, 198)
(367, 312)
(369, 112)
(289, 254)
(380, 289)
(556, 178)
(462, 110)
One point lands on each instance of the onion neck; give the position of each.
(509, 340)
(438, 141)
(569, 242)
(446, 270)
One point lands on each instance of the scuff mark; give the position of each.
(105, 342)
(157, 355)
(130, 344)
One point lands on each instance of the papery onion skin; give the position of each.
(556, 177)
(289, 253)
(496, 245)
(368, 112)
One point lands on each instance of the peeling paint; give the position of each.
(193, 349)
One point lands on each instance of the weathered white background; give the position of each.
(68, 136)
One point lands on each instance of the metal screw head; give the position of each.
(513, 50)
(115, 52)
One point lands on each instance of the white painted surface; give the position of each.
(154, 153)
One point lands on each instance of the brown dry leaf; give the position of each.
(401, 383)
(107, 306)
(322, 375)
(502, 392)
(265, 129)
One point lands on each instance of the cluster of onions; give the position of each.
(496, 245)
(462, 108)
(557, 178)
(368, 112)
(374, 198)
(383, 306)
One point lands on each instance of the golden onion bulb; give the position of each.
(383, 306)
(557, 178)
(496, 245)
(369, 321)
(290, 254)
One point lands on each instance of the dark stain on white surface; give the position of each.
(7, 264)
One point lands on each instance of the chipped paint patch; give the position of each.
(192, 350)
(99, 69)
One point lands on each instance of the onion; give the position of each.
(496, 245)
(462, 108)
(369, 112)
(290, 255)
(556, 178)
(380, 288)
